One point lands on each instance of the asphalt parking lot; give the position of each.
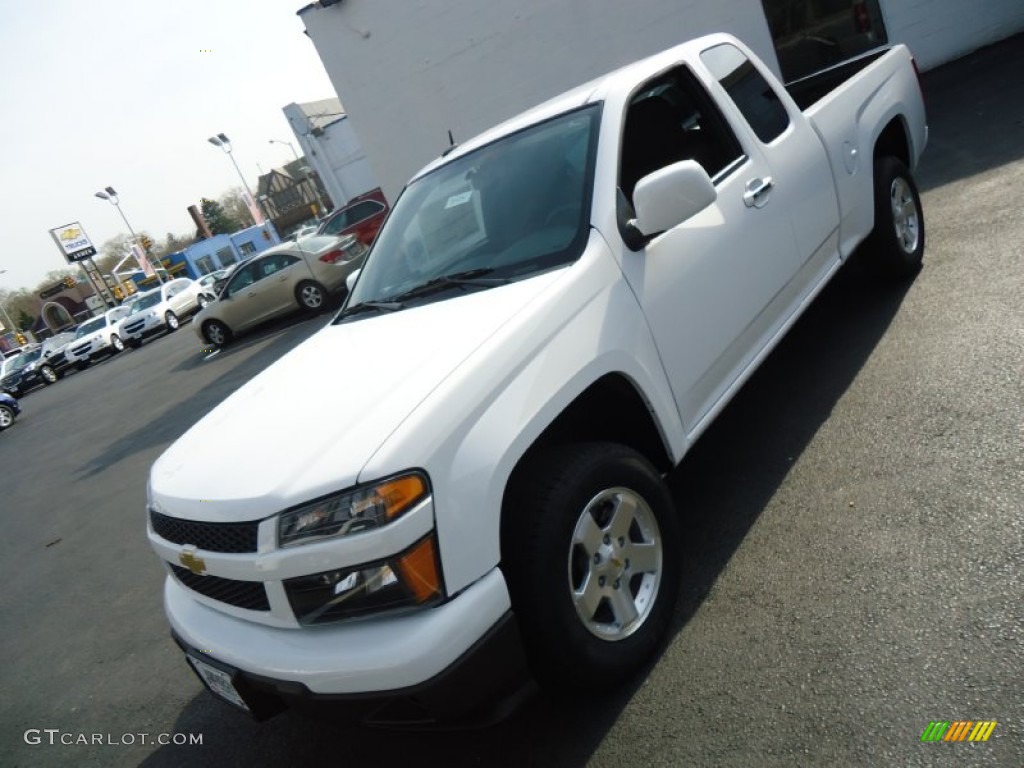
(854, 543)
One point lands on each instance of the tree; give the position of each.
(233, 203)
(173, 243)
(219, 221)
(112, 251)
(24, 320)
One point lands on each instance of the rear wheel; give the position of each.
(6, 416)
(590, 550)
(311, 296)
(216, 333)
(48, 374)
(895, 247)
(172, 321)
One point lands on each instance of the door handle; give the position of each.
(756, 192)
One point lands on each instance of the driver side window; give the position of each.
(670, 119)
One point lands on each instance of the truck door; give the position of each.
(804, 186)
(709, 286)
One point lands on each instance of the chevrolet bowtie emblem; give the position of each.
(195, 564)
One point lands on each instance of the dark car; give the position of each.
(361, 216)
(30, 369)
(9, 409)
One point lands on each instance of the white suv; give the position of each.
(162, 309)
(95, 338)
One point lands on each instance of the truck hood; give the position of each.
(307, 425)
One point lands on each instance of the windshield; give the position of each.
(145, 302)
(93, 325)
(18, 362)
(514, 207)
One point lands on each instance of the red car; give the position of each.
(361, 216)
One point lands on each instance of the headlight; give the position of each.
(353, 511)
(409, 580)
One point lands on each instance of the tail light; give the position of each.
(333, 257)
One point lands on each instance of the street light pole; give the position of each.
(222, 141)
(110, 195)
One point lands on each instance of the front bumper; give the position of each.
(434, 665)
(135, 331)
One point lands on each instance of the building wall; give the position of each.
(336, 155)
(938, 31)
(408, 72)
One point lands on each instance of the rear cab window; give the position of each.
(749, 90)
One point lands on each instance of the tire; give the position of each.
(311, 296)
(895, 247)
(48, 375)
(172, 322)
(216, 333)
(576, 521)
(6, 417)
(116, 345)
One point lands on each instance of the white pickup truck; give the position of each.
(468, 484)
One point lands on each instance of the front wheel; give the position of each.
(590, 547)
(895, 247)
(172, 321)
(311, 296)
(216, 333)
(116, 344)
(48, 374)
(6, 417)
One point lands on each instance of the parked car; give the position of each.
(27, 370)
(282, 279)
(301, 232)
(161, 309)
(362, 216)
(214, 282)
(9, 410)
(96, 338)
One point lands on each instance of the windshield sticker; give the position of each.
(459, 199)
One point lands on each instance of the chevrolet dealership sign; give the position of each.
(73, 242)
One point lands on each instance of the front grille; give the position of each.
(133, 327)
(242, 594)
(213, 537)
(81, 350)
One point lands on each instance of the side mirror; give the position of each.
(351, 279)
(671, 195)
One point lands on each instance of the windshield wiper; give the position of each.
(469, 277)
(370, 306)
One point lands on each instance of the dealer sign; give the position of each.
(73, 242)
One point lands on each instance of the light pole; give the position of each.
(222, 141)
(309, 175)
(110, 195)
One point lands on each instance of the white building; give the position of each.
(331, 147)
(410, 72)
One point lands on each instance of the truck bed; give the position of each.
(808, 90)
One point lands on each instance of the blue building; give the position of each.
(214, 253)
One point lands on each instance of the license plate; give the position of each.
(218, 681)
